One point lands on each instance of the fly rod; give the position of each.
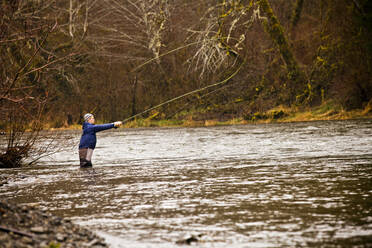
(188, 93)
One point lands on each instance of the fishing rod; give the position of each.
(187, 94)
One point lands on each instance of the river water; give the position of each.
(270, 185)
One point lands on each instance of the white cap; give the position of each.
(87, 116)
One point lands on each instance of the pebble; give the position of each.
(3, 238)
(189, 239)
(38, 229)
(60, 237)
(26, 240)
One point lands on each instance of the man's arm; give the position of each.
(99, 128)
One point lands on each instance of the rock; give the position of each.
(57, 221)
(44, 244)
(32, 205)
(38, 229)
(26, 240)
(60, 237)
(3, 238)
(3, 180)
(93, 242)
(190, 239)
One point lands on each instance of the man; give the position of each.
(88, 139)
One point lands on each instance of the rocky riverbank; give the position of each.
(28, 227)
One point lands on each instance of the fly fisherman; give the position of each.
(88, 138)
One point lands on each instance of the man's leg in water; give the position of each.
(85, 155)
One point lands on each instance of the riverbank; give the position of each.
(326, 111)
(26, 226)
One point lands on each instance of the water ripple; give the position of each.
(275, 185)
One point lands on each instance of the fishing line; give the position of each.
(162, 55)
(188, 93)
(171, 51)
(203, 96)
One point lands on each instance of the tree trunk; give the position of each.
(296, 14)
(134, 111)
(276, 32)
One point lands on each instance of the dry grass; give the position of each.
(326, 111)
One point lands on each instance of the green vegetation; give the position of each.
(326, 111)
(54, 245)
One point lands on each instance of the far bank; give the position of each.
(280, 114)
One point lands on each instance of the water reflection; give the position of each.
(304, 184)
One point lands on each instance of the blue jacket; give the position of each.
(89, 139)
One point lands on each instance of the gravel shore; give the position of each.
(28, 227)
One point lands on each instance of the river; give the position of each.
(268, 185)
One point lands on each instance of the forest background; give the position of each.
(251, 60)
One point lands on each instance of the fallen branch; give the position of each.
(11, 230)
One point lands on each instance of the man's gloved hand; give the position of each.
(117, 123)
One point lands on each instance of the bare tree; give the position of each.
(226, 27)
(28, 55)
(222, 36)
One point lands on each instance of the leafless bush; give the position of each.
(28, 53)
